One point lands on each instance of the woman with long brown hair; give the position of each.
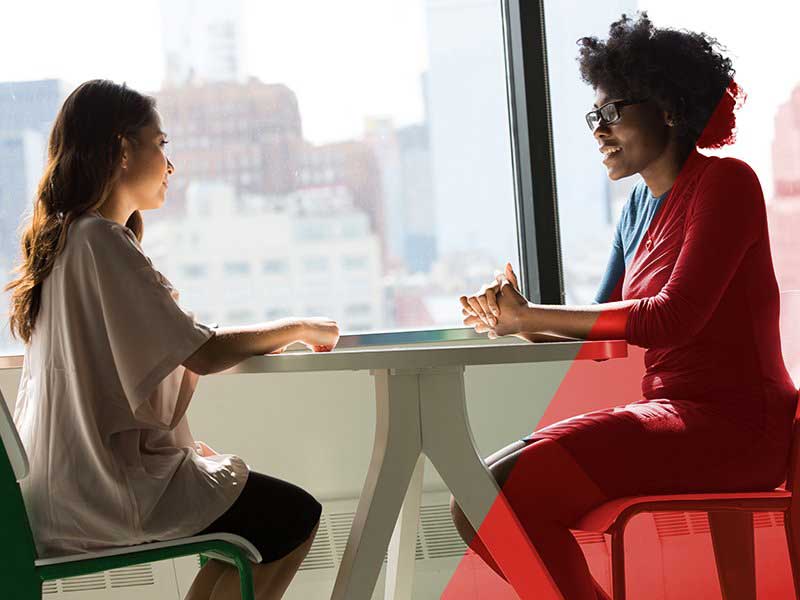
(111, 362)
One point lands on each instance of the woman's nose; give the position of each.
(170, 167)
(601, 131)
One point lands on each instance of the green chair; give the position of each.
(22, 573)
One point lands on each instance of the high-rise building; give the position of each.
(242, 258)
(202, 40)
(27, 112)
(245, 134)
(353, 165)
(468, 127)
(404, 159)
(784, 208)
(419, 214)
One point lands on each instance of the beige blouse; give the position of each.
(102, 402)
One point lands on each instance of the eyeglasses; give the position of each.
(608, 113)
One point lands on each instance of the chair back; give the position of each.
(17, 548)
(790, 346)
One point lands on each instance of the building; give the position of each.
(784, 209)
(202, 41)
(240, 259)
(27, 112)
(404, 159)
(353, 165)
(247, 135)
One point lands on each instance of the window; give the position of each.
(768, 131)
(357, 310)
(236, 268)
(277, 313)
(194, 271)
(402, 153)
(240, 316)
(316, 264)
(355, 263)
(274, 267)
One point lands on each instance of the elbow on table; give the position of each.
(202, 361)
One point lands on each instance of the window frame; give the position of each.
(535, 198)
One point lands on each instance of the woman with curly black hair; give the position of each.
(690, 279)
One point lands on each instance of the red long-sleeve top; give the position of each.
(707, 307)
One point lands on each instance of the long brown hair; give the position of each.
(83, 156)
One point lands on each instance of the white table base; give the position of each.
(423, 411)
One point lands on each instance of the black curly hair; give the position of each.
(683, 72)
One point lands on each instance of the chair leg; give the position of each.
(247, 588)
(734, 552)
(618, 561)
(791, 524)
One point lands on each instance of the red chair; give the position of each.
(730, 515)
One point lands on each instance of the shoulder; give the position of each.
(729, 173)
(729, 192)
(97, 231)
(103, 240)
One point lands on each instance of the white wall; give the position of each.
(316, 430)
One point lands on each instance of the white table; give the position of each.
(421, 410)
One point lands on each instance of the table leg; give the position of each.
(403, 546)
(395, 452)
(447, 441)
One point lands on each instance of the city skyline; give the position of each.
(422, 184)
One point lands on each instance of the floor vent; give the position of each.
(135, 576)
(127, 577)
(321, 555)
(698, 522)
(50, 587)
(589, 537)
(440, 537)
(671, 524)
(84, 583)
(768, 519)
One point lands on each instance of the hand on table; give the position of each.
(484, 310)
(320, 334)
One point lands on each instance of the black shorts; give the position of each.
(273, 515)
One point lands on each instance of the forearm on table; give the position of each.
(594, 321)
(231, 345)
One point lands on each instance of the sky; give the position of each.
(352, 59)
(345, 60)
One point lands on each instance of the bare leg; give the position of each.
(564, 494)
(206, 579)
(271, 579)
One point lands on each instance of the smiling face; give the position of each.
(634, 142)
(146, 171)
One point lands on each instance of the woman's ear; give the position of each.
(125, 146)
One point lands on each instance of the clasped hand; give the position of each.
(497, 308)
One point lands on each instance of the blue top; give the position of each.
(635, 219)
